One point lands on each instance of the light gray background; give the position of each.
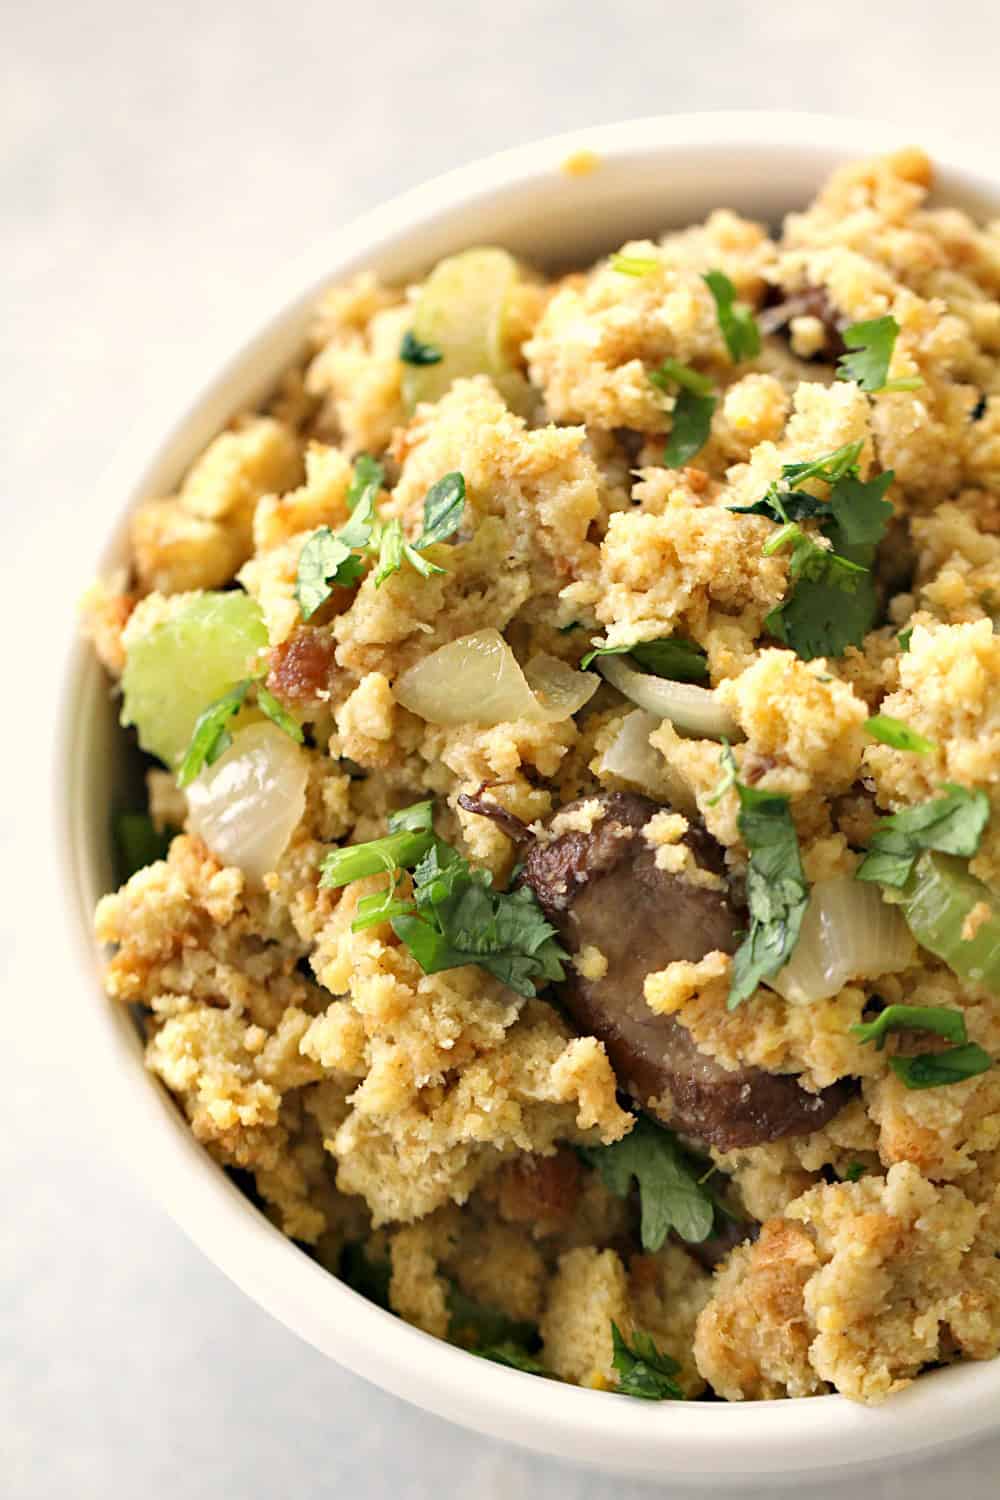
(159, 163)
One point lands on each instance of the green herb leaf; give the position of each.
(514, 1357)
(931, 1070)
(940, 1019)
(777, 893)
(736, 321)
(893, 732)
(279, 715)
(872, 343)
(728, 778)
(861, 511)
(904, 638)
(635, 265)
(475, 1326)
(951, 824)
(366, 481)
(210, 736)
(390, 551)
(139, 843)
(690, 425)
(672, 373)
(444, 506)
(325, 561)
(670, 1193)
(459, 919)
(854, 1171)
(674, 657)
(369, 1277)
(642, 1370)
(413, 351)
(401, 849)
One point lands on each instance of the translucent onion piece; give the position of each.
(631, 761)
(692, 710)
(246, 805)
(940, 897)
(462, 312)
(476, 679)
(848, 933)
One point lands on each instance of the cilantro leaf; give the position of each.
(459, 919)
(513, 1356)
(940, 1019)
(904, 638)
(674, 657)
(951, 824)
(278, 714)
(893, 732)
(413, 351)
(931, 1070)
(670, 1194)
(366, 481)
(860, 510)
(642, 1370)
(690, 427)
(139, 843)
(325, 561)
(390, 551)
(444, 506)
(777, 893)
(854, 1171)
(736, 321)
(871, 344)
(210, 736)
(408, 841)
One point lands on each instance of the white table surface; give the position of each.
(158, 165)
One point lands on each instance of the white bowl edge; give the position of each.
(652, 173)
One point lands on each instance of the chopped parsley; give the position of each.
(736, 321)
(635, 265)
(950, 824)
(139, 843)
(777, 893)
(642, 1370)
(413, 351)
(832, 603)
(454, 916)
(210, 736)
(671, 1195)
(940, 1019)
(325, 562)
(870, 345)
(674, 657)
(931, 1070)
(332, 559)
(896, 734)
(268, 703)
(692, 414)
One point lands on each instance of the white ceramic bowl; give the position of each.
(652, 174)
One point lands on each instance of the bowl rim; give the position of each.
(742, 1440)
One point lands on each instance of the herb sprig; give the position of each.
(736, 321)
(694, 406)
(870, 345)
(950, 824)
(642, 1370)
(210, 737)
(673, 657)
(671, 1195)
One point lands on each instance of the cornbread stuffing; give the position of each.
(568, 888)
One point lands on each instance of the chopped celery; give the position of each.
(938, 900)
(461, 312)
(187, 662)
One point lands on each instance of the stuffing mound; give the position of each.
(568, 889)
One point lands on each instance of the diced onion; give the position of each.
(848, 932)
(630, 760)
(692, 710)
(247, 804)
(476, 679)
(938, 901)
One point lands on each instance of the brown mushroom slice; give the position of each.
(602, 887)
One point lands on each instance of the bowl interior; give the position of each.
(650, 176)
